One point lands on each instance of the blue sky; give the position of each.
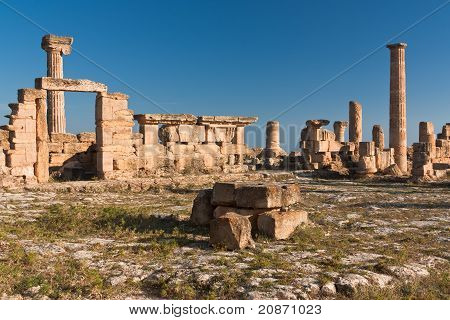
(236, 57)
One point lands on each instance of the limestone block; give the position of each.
(202, 210)
(367, 165)
(63, 137)
(232, 231)
(209, 148)
(23, 110)
(224, 134)
(129, 164)
(30, 95)
(227, 148)
(259, 196)
(14, 159)
(367, 148)
(335, 146)
(23, 137)
(251, 214)
(76, 147)
(162, 118)
(58, 159)
(86, 137)
(280, 225)
(104, 162)
(322, 135)
(393, 170)
(117, 149)
(23, 124)
(104, 136)
(321, 146)
(321, 157)
(168, 133)
(19, 171)
(180, 149)
(55, 147)
(151, 150)
(76, 85)
(224, 194)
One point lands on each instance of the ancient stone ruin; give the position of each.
(35, 144)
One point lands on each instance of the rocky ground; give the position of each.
(124, 240)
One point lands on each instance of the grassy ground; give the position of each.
(115, 245)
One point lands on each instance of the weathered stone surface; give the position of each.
(232, 231)
(224, 194)
(202, 209)
(160, 118)
(350, 283)
(63, 137)
(75, 85)
(281, 224)
(393, 170)
(261, 196)
(86, 137)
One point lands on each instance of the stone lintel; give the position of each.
(226, 120)
(62, 44)
(162, 118)
(396, 45)
(75, 85)
(113, 95)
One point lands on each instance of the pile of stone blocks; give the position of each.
(184, 142)
(237, 210)
(319, 145)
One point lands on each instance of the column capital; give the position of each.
(342, 124)
(400, 45)
(51, 43)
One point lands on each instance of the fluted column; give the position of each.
(397, 105)
(339, 130)
(55, 47)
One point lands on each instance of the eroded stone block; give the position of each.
(232, 231)
(280, 225)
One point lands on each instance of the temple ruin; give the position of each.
(35, 144)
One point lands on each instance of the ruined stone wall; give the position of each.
(186, 143)
(72, 156)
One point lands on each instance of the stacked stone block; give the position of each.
(116, 156)
(274, 155)
(236, 210)
(22, 154)
(184, 142)
(319, 146)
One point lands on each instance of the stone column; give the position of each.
(339, 130)
(272, 135)
(150, 133)
(355, 122)
(378, 136)
(55, 47)
(397, 105)
(239, 135)
(426, 134)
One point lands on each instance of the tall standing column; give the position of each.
(339, 130)
(378, 136)
(355, 122)
(397, 105)
(55, 47)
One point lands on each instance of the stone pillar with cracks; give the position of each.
(397, 105)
